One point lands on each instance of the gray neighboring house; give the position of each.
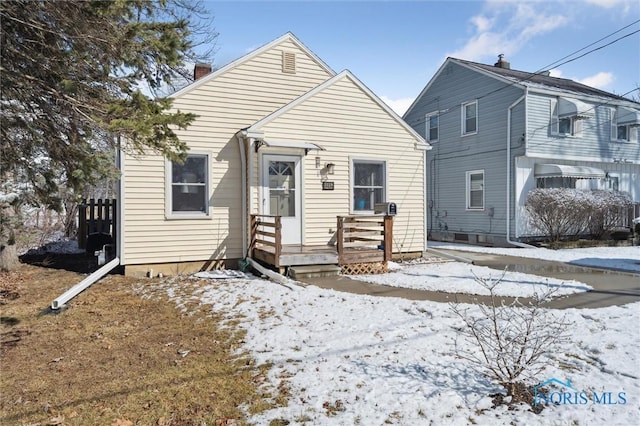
(498, 133)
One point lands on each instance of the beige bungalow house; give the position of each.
(283, 154)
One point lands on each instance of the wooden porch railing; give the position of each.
(266, 231)
(363, 243)
(364, 239)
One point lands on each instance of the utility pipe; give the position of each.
(509, 241)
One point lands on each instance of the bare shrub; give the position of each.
(558, 212)
(562, 212)
(509, 343)
(607, 210)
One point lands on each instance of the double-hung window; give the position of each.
(569, 126)
(470, 118)
(565, 123)
(368, 184)
(622, 132)
(433, 127)
(475, 190)
(188, 192)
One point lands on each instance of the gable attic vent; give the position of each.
(289, 62)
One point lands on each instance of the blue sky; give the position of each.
(395, 47)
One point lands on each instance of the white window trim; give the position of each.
(168, 178)
(632, 131)
(576, 124)
(463, 116)
(352, 161)
(428, 126)
(468, 190)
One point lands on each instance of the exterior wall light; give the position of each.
(330, 168)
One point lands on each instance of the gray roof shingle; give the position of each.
(542, 79)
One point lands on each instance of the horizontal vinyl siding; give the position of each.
(453, 154)
(449, 212)
(594, 142)
(350, 125)
(227, 103)
(150, 238)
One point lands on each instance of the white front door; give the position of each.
(281, 194)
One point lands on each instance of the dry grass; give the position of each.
(115, 358)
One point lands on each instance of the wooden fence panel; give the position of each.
(97, 217)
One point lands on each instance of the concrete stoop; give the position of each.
(313, 271)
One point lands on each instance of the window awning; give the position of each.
(626, 116)
(289, 144)
(561, 170)
(574, 108)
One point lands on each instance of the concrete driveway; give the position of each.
(610, 287)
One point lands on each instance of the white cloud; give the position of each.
(505, 27)
(484, 45)
(600, 80)
(482, 23)
(400, 106)
(608, 4)
(555, 72)
(622, 7)
(530, 23)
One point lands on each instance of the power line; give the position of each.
(600, 47)
(553, 64)
(533, 74)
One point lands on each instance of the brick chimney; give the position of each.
(502, 63)
(200, 70)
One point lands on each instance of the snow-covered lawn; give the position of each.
(352, 359)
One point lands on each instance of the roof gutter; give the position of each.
(508, 197)
(84, 284)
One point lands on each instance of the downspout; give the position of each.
(509, 241)
(424, 201)
(120, 199)
(250, 154)
(243, 189)
(82, 285)
(61, 300)
(246, 138)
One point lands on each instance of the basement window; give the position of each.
(288, 62)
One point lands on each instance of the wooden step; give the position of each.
(313, 271)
